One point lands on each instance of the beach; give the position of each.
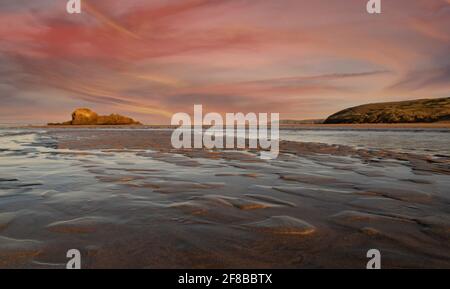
(126, 199)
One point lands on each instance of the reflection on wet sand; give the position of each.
(127, 199)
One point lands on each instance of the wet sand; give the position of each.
(126, 199)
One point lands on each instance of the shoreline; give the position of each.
(370, 126)
(159, 141)
(436, 125)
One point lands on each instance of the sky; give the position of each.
(149, 59)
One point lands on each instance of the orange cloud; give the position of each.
(102, 18)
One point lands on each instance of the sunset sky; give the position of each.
(151, 58)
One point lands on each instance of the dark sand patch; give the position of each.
(8, 180)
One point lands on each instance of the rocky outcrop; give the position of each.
(85, 116)
(422, 110)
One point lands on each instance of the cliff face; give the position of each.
(422, 110)
(85, 116)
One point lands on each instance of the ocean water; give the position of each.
(428, 141)
(418, 141)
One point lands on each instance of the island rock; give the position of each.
(85, 116)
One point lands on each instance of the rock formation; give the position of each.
(422, 110)
(85, 116)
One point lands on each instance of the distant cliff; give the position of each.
(422, 110)
(85, 116)
(303, 121)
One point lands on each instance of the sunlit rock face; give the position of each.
(85, 116)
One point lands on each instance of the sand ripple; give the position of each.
(284, 225)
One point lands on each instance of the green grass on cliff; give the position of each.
(422, 110)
